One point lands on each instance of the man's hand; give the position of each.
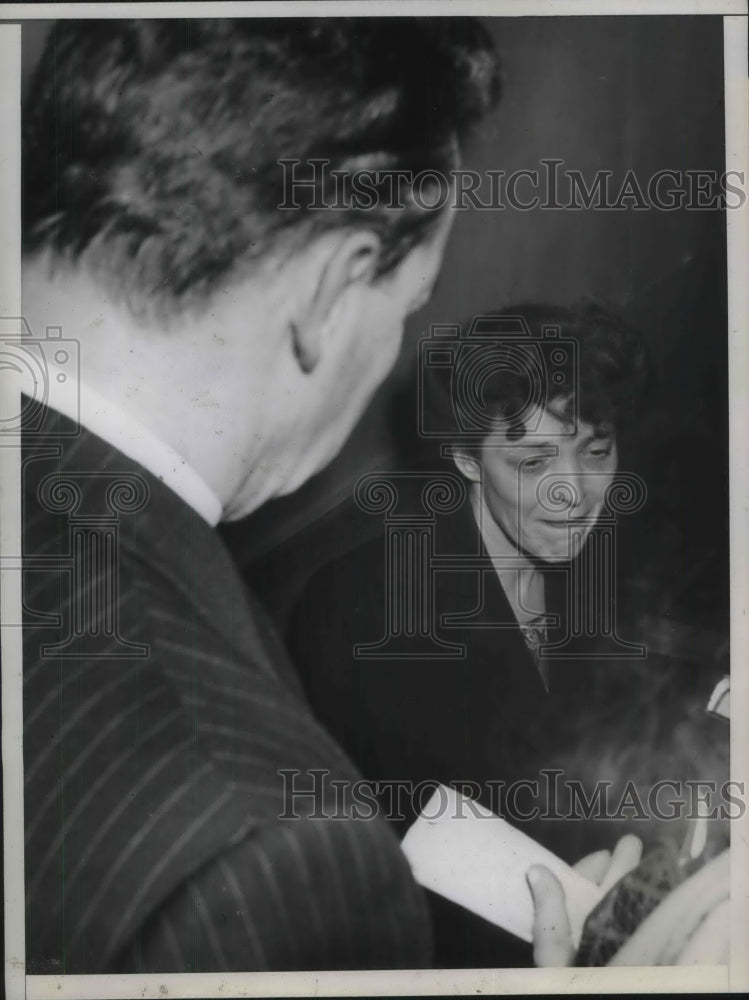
(690, 925)
(552, 939)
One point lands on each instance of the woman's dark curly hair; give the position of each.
(581, 362)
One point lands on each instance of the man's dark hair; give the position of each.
(153, 147)
(603, 380)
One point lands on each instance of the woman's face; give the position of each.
(546, 489)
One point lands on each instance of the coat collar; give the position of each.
(156, 526)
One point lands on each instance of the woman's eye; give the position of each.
(534, 464)
(600, 452)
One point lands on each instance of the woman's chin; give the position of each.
(554, 558)
(555, 550)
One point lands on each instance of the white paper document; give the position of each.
(462, 851)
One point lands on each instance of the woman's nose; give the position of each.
(562, 492)
(573, 484)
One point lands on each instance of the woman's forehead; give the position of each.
(538, 426)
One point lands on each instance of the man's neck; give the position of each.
(182, 385)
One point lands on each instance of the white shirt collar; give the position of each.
(126, 433)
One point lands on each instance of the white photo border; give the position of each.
(434, 982)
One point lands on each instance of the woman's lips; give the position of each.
(584, 519)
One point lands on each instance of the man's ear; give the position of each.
(467, 465)
(331, 266)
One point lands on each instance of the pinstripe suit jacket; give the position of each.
(159, 709)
